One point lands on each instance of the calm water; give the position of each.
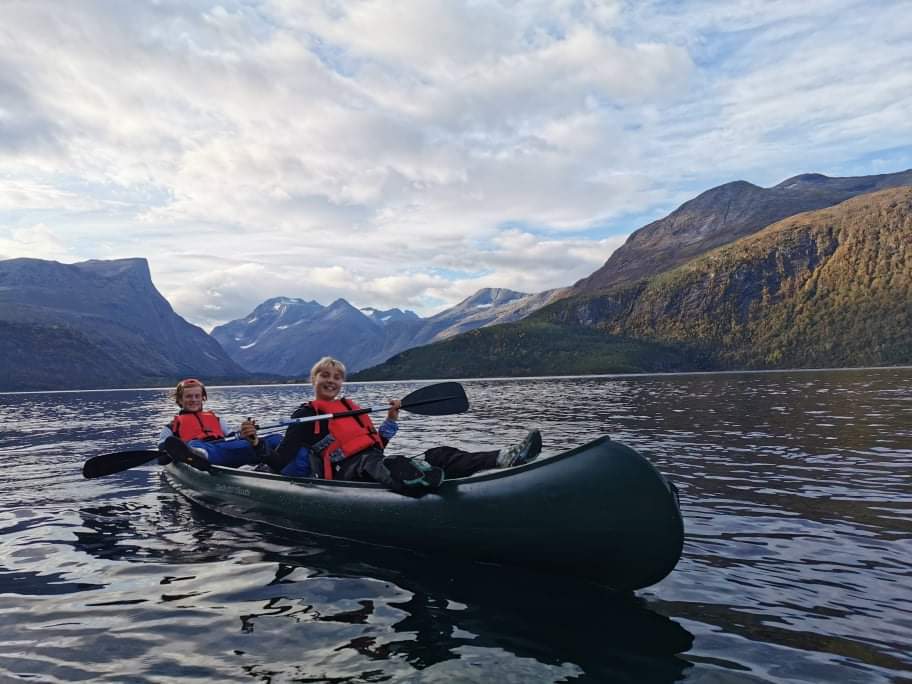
(797, 498)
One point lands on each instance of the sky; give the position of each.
(406, 154)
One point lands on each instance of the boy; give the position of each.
(203, 432)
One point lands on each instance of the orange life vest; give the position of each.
(204, 425)
(351, 434)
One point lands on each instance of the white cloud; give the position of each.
(35, 242)
(406, 154)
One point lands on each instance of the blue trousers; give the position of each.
(234, 452)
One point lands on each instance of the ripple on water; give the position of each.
(797, 502)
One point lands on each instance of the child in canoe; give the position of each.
(351, 448)
(204, 432)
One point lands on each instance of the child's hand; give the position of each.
(393, 413)
(248, 431)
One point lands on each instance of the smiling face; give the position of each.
(327, 383)
(192, 398)
(189, 394)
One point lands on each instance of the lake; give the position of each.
(796, 490)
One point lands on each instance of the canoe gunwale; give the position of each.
(483, 476)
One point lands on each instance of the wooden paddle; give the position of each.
(440, 399)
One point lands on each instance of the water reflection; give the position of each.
(395, 606)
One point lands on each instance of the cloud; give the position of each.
(406, 154)
(788, 87)
(224, 289)
(36, 242)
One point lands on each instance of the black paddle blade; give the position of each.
(106, 464)
(442, 399)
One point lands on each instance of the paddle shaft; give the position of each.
(443, 398)
(353, 412)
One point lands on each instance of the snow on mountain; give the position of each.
(286, 336)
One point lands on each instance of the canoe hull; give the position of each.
(601, 512)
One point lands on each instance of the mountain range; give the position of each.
(723, 215)
(825, 288)
(814, 271)
(286, 336)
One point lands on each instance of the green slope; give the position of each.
(826, 288)
(829, 288)
(532, 348)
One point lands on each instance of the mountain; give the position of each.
(708, 286)
(828, 288)
(722, 215)
(489, 306)
(825, 288)
(287, 336)
(528, 348)
(389, 315)
(718, 217)
(96, 324)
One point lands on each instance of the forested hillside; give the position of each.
(826, 288)
(532, 348)
(722, 215)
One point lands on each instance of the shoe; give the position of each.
(256, 468)
(521, 453)
(413, 477)
(179, 451)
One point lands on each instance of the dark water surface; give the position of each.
(797, 498)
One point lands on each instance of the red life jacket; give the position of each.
(351, 435)
(203, 425)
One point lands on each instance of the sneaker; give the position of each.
(521, 453)
(413, 477)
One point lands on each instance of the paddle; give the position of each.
(440, 399)
(106, 464)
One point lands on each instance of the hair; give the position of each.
(178, 394)
(326, 362)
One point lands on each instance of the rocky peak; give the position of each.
(722, 215)
(98, 316)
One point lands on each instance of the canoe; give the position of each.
(601, 512)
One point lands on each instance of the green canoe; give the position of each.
(600, 512)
